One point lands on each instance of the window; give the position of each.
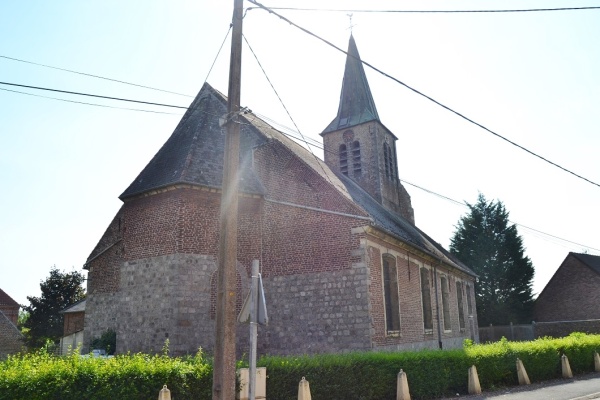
(461, 311)
(343, 159)
(390, 291)
(469, 300)
(426, 298)
(388, 160)
(356, 165)
(445, 303)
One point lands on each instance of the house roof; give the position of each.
(73, 308)
(591, 261)
(356, 101)
(6, 300)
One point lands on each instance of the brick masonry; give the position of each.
(573, 293)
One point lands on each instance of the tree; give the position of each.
(486, 242)
(59, 290)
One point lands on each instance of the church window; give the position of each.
(469, 301)
(388, 160)
(390, 291)
(356, 164)
(426, 299)
(343, 159)
(461, 311)
(445, 303)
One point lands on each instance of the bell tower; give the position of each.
(359, 146)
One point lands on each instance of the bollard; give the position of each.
(566, 367)
(474, 386)
(402, 392)
(522, 373)
(304, 390)
(596, 362)
(164, 394)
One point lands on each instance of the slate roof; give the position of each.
(399, 227)
(591, 261)
(356, 102)
(6, 300)
(73, 308)
(193, 154)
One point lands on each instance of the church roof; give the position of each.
(194, 152)
(399, 227)
(356, 102)
(194, 155)
(6, 300)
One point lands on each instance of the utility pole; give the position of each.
(224, 363)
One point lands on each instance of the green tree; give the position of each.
(59, 290)
(486, 242)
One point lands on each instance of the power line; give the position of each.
(93, 95)
(430, 11)
(424, 95)
(289, 134)
(88, 104)
(93, 76)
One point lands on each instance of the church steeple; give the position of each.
(356, 102)
(359, 146)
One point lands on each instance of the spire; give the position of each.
(356, 102)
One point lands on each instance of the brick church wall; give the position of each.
(412, 333)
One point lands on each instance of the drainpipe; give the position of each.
(437, 306)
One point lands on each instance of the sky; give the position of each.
(531, 77)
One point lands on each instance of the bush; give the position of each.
(364, 376)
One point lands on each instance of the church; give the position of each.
(344, 266)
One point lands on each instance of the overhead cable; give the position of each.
(93, 76)
(431, 11)
(422, 94)
(93, 95)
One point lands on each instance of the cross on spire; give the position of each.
(351, 25)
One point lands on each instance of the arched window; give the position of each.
(445, 303)
(426, 299)
(343, 159)
(461, 310)
(388, 160)
(356, 165)
(390, 291)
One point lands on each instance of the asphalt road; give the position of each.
(581, 387)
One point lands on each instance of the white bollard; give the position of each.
(474, 386)
(566, 367)
(164, 394)
(522, 373)
(402, 392)
(304, 390)
(596, 362)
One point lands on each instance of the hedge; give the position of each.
(365, 376)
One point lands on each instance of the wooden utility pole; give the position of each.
(224, 363)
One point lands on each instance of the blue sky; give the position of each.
(531, 77)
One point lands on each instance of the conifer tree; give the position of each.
(45, 322)
(486, 242)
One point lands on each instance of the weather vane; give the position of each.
(351, 25)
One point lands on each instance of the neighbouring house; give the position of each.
(74, 317)
(11, 339)
(570, 301)
(343, 264)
